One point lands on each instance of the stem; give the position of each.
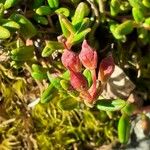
(51, 23)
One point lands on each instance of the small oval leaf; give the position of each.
(110, 105)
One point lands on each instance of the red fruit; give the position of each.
(78, 81)
(71, 60)
(106, 68)
(88, 56)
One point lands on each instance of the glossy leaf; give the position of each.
(27, 30)
(88, 75)
(4, 33)
(48, 94)
(1, 10)
(80, 36)
(114, 7)
(138, 14)
(128, 108)
(9, 3)
(55, 81)
(39, 73)
(81, 11)
(50, 47)
(64, 11)
(44, 10)
(40, 19)
(65, 30)
(66, 75)
(146, 3)
(68, 25)
(124, 28)
(53, 3)
(83, 25)
(124, 127)
(65, 84)
(23, 53)
(11, 25)
(110, 105)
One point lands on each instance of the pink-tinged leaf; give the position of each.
(106, 68)
(71, 60)
(78, 81)
(88, 56)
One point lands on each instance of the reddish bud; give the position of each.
(106, 68)
(88, 56)
(71, 60)
(78, 81)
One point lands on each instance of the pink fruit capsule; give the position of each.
(71, 60)
(88, 56)
(106, 68)
(78, 81)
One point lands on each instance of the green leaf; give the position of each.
(27, 29)
(135, 3)
(138, 14)
(82, 25)
(110, 105)
(124, 127)
(9, 3)
(40, 19)
(64, 11)
(114, 7)
(147, 22)
(128, 108)
(124, 28)
(39, 73)
(48, 94)
(1, 10)
(53, 3)
(81, 11)
(11, 25)
(80, 36)
(4, 33)
(113, 27)
(55, 81)
(146, 3)
(88, 75)
(66, 75)
(44, 10)
(65, 31)
(65, 84)
(39, 76)
(23, 53)
(68, 103)
(50, 47)
(68, 25)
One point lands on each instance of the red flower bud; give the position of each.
(88, 56)
(106, 68)
(78, 81)
(71, 60)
